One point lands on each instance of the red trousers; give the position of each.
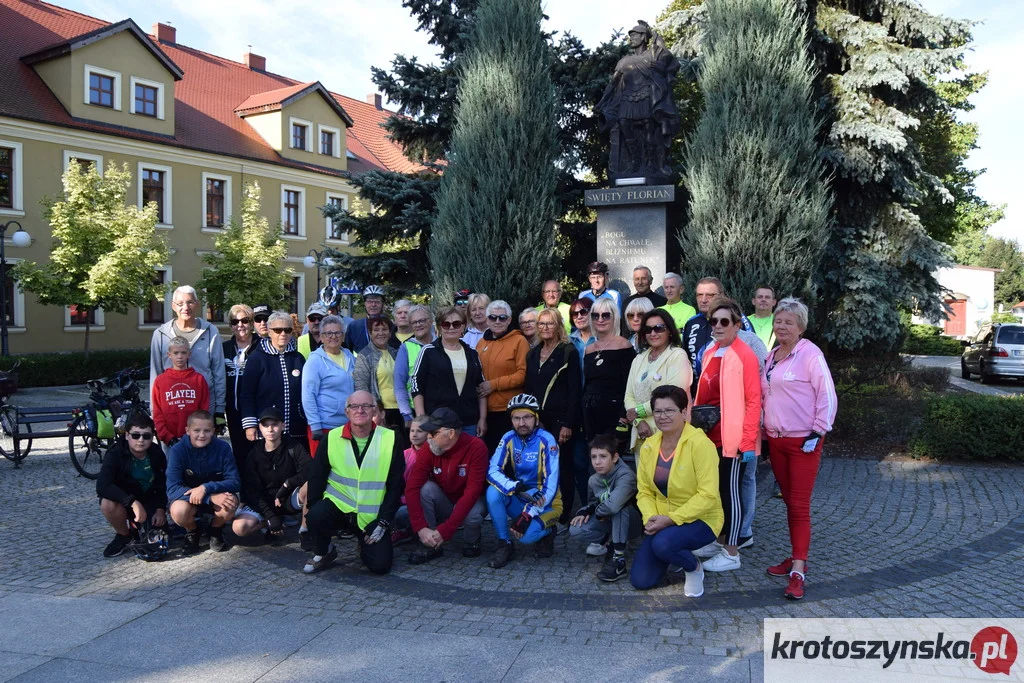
(796, 471)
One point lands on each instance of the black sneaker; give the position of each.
(191, 546)
(217, 542)
(471, 550)
(545, 547)
(317, 562)
(425, 555)
(745, 542)
(614, 568)
(306, 541)
(505, 552)
(346, 534)
(117, 546)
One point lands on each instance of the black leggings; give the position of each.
(730, 474)
(324, 518)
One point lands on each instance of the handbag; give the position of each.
(705, 417)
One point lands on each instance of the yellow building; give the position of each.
(194, 129)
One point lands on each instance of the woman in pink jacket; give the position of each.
(799, 409)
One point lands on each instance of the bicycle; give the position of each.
(96, 426)
(13, 445)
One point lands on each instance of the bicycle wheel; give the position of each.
(86, 449)
(10, 447)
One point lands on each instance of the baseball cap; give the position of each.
(442, 417)
(272, 413)
(261, 310)
(316, 308)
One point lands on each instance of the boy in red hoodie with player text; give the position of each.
(177, 393)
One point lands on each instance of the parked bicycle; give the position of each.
(15, 443)
(95, 426)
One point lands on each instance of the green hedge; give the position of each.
(971, 427)
(927, 340)
(57, 369)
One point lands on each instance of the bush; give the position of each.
(877, 416)
(927, 340)
(57, 369)
(971, 427)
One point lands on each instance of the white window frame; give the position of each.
(302, 212)
(168, 309)
(293, 121)
(17, 208)
(116, 75)
(135, 80)
(227, 202)
(168, 222)
(100, 326)
(327, 221)
(301, 298)
(17, 325)
(70, 155)
(336, 146)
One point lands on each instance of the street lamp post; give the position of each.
(315, 258)
(20, 238)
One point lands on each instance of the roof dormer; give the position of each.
(115, 75)
(302, 122)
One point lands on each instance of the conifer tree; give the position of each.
(496, 207)
(759, 210)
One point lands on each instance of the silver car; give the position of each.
(996, 351)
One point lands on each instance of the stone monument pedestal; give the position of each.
(632, 230)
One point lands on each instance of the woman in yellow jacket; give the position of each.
(677, 492)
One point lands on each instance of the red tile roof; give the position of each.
(206, 98)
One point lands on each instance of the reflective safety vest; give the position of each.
(412, 349)
(359, 489)
(305, 345)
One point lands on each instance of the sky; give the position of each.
(336, 43)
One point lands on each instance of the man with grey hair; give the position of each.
(642, 281)
(675, 306)
(206, 348)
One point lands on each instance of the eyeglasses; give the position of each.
(331, 334)
(581, 312)
(462, 302)
(136, 436)
(281, 330)
(314, 318)
(666, 412)
(417, 323)
(262, 318)
(601, 315)
(720, 322)
(189, 303)
(361, 407)
(496, 318)
(239, 321)
(546, 323)
(550, 291)
(654, 329)
(451, 324)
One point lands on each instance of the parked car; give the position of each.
(996, 351)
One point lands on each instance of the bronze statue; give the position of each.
(639, 109)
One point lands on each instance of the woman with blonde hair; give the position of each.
(243, 342)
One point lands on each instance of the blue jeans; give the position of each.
(503, 508)
(622, 526)
(469, 429)
(748, 494)
(671, 545)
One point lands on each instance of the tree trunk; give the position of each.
(87, 326)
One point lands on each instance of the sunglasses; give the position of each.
(581, 312)
(720, 322)
(262, 318)
(654, 329)
(451, 324)
(281, 330)
(315, 318)
(462, 302)
(239, 321)
(135, 436)
(601, 315)
(496, 318)
(634, 315)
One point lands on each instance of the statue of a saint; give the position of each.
(638, 107)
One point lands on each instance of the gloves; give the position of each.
(811, 442)
(376, 530)
(748, 456)
(276, 525)
(282, 494)
(522, 523)
(587, 510)
(520, 488)
(317, 434)
(220, 422)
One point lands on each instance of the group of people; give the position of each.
(611, 419)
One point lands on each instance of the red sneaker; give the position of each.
(795, 589)
(782, 568)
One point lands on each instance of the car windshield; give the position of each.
(1011, 335)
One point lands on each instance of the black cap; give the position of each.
(261, 309)
(272, 413)
(597, 267)
(442, 417)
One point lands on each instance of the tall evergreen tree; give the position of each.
(496, 205)
(759, 210)
(881, 65)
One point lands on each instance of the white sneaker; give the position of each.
(722, 562)
(694, 586)
(710, 550)
(597, 550)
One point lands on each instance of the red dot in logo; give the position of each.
(994, 650)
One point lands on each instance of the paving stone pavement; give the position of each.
(891, 539)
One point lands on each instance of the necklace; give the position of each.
(597, 357)
(544, 356)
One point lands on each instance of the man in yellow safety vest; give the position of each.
(355, 484)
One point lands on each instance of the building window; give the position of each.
(335, 233)
(10, 293)
(299, 132)
(214, 202)
(145, 100)
(83, 161)
(293, 294)
(6, 177)
(156, 312)
(293, 214)
(327, 142)
(155, 186)
(101, 90)
(81, 316)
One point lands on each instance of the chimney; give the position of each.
(165, 33)
(375, 100)
(254, 62)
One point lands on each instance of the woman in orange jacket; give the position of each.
(503, 359)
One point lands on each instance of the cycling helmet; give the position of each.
(524, 402)
(373, 290)
(151, 543)
(329, 297)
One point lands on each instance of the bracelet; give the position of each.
(641, 411)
